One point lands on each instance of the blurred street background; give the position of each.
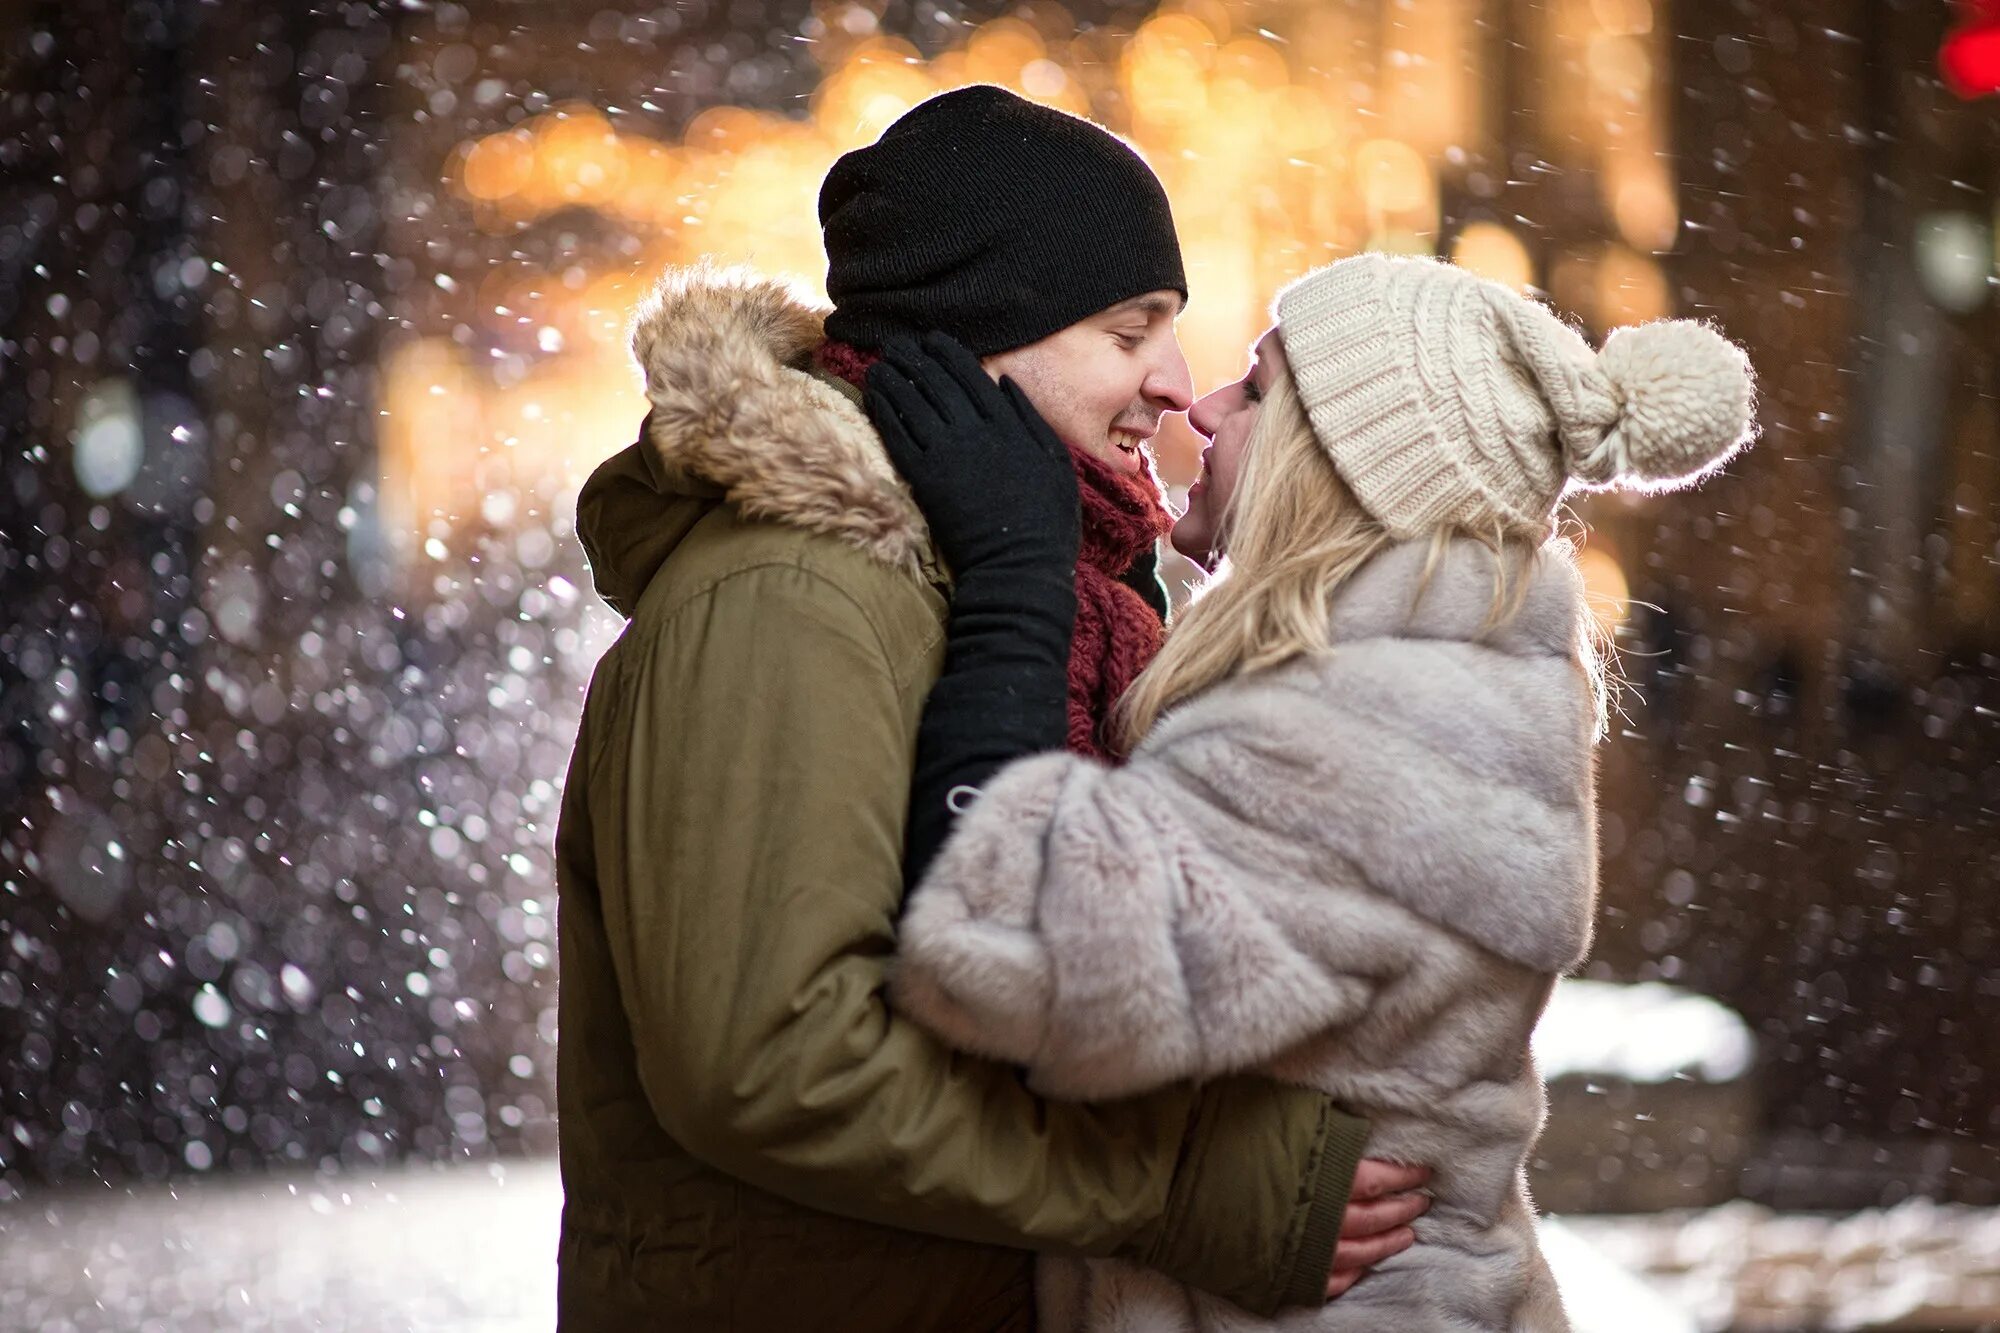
(312, 320)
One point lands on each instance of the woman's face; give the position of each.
(1225, 417)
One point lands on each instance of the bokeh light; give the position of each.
(1286, 136)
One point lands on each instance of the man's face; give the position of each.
(1103, 383)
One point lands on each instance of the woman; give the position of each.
(1353, 842)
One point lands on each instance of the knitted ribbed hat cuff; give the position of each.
(1363, 403)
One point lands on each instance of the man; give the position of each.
(750, 1138)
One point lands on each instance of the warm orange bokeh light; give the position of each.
(1603, 62)
(1604, 588)
(1492, 251)
(1640, 193)
(1286, 135)
(1631, 289)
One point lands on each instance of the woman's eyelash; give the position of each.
(1251, 393)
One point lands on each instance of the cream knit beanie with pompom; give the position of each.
(1445, 398)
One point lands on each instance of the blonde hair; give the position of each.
(1296, 534)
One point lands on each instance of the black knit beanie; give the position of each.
(991, 218)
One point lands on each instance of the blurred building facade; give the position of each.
(313, 320)
(1800, 814)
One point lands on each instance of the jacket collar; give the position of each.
(727, 356)
(1404, 592)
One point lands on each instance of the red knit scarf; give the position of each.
(1117, 634)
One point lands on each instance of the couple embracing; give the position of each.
(948, 943)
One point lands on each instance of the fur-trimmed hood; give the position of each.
(739, 415)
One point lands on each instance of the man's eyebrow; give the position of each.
(1151, 304)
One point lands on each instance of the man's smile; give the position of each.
(1127, 451)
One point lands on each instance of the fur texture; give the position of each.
(726, 355)
(1361, 871)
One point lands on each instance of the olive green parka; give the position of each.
(751, 1139)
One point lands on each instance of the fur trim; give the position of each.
(725, 354)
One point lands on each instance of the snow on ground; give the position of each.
(1918, 1265)
(1600, 1295)
(469, 1250)
(1645, 1033)
(472, 1250)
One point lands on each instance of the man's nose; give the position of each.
(1169, 384)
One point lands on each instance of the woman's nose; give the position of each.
(1206, 415)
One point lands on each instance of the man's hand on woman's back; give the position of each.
(1385, 1200)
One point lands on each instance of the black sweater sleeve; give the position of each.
(1144, 578)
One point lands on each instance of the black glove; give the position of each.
(995, 484)
(999, 492)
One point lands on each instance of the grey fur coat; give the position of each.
(1361, 871)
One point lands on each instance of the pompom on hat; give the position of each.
(1446, 398)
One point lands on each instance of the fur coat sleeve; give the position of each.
(1225, 895)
